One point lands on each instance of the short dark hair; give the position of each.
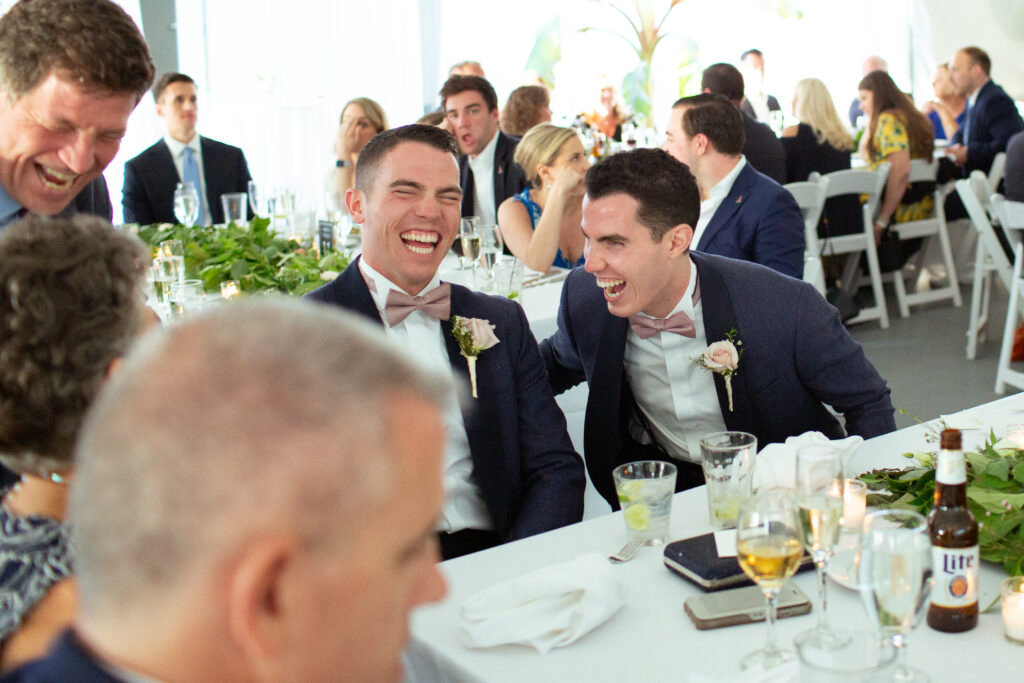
(166, 80)
(979, 57)
(456, 84)
(663, 187)
(723, 79)
(72, 303)
(752, 51)
(379, 145)
(93, 42)
(717, 119)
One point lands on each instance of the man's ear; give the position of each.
(258, 614)
(678, 240)
(355, 201)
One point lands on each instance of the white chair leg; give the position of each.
(947, 257)
(977, 287)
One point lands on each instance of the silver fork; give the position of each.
(628, 551)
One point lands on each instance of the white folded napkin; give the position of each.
(776, 463)
(783, 673)
(547, 608)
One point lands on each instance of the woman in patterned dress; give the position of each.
(71, 301)
(897, 132)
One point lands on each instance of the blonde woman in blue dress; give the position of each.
(541, 224)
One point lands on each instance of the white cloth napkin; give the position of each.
(547, 608)
(776, 463)
(783, 673)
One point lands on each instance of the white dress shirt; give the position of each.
(483, 183)
(178, 155)
(718, 193)
(423, 339)
(676, 395)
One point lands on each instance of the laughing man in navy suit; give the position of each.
(510, 468)
(648, 398)
(744, 214)
(181, 156)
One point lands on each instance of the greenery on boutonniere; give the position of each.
(723, 358)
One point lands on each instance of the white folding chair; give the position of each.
(1011, 216)
(995, 174)
(989, 258)
(810, 197)
(923, 171)
(859, 182)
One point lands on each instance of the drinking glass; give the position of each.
(186, 297)
(768, 549)
(896, 579)
(645, 491)
(254, 198)
(469, 238)
(233, 204)
(819, 481)
(186, 204)
(491, 247)
(727, 459)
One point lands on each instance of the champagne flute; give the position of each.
(468, 224)
(254, 198)
(769, 551)
(819, 480)
(469, 237)
(896, 579)
(491, 247)
(186, 204)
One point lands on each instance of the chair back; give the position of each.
(923, 171)
(995, 173)
(810, 197)
(968, 190)
(859, 181)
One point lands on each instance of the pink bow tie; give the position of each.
(677, 323)
(436, 303)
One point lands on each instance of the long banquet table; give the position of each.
(652, 639)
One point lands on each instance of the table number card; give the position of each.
(326, 237)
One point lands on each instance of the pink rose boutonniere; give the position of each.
(474, 336)
(723, 358)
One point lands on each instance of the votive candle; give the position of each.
(229, 289)
(1015, 433)
(855, 495)
(1013, 609)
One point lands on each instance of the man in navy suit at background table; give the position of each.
(633, 320)
(510, 468)
(181, 156)
(744, 213)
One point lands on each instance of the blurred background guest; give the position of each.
(541, 224)
(361, 119)
(466, 68)
(948, 110)
(872, 63)
(526, 106)
(609, 115)
(820, 142)
(434, 118)
(897, 132)
(756, 102)
(1014, 171)
(72, 304)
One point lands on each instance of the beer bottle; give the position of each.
(954, 536)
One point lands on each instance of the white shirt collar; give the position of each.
(384, 285)
(177, 146)
(485, 159)
(724, 186)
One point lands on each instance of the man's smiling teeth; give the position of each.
(409, 238)
(605, 284)
(56, 180)
(613, 289)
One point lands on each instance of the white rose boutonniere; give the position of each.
(723, 358)
(474, 336)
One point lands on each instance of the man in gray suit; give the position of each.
(633, 320)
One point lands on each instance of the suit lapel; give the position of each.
(500, 162)
(719, 319)
(468, 185)
(729, 206)
(350, 291)
(603, 434)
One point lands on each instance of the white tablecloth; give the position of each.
(652, 639)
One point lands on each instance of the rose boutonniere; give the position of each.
(723, 358)
(474, 336)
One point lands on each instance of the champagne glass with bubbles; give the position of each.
(769, 550)
(186, 204)
(896, 579)
(469, 238)
(819, 480)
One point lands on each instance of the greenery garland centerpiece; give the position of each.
(256, 256)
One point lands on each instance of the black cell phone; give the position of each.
(743, 606)
(696, 559)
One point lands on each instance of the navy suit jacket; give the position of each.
(66, 661)
(508, 175)
(1014, 177)
(151, 178)
(530, 478)
(758, 221)
(991, 122)
(797, 356)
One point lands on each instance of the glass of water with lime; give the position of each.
(645, 491)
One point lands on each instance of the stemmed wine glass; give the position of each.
(769, 551)
(819, 481)
(186, 204)
(469, 238)
(896, 579)
(254, 198)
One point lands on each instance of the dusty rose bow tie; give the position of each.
(436, 303)
(677, 323)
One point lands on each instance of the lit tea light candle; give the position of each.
(1013, 609)
(229, 289)
(855, 495)
(1015, 433)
